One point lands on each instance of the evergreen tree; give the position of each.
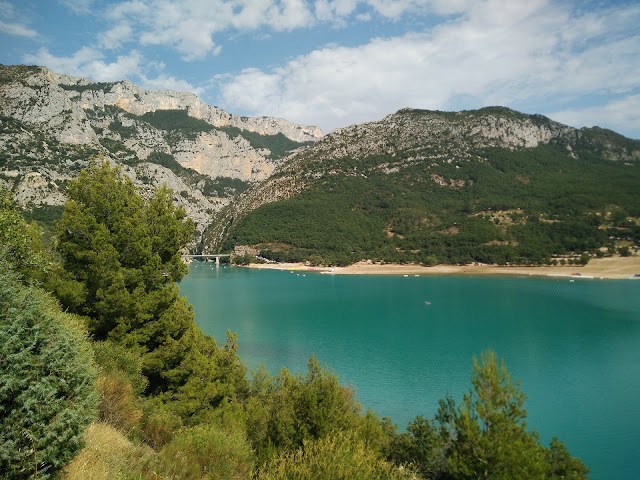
(47, 382)
(19, 241)
(483, 438)
(285, 411)
(562, 465)
(491, 440)
(124, 254)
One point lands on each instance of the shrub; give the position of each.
(107, 453)
(47, 382)
(118, 405)
(204, 452)
(339, 457)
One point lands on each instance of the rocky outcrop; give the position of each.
(39, 101)
(139, 101)
(52, 124)
(217, 155)
(81, 112)
(438, 135)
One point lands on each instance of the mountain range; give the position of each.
(488, 185)
(52, 124)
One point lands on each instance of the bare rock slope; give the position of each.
(52, 124)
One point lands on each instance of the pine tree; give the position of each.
(491, 439)
(124, 255)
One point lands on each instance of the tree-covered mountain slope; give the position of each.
(491, 185)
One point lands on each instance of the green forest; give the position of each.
(104, 373)
(529, 206)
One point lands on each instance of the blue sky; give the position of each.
(332, 63)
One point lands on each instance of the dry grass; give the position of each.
(118, 404)
(107, 455)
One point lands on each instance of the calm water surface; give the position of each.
(574, 346)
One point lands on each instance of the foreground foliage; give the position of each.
(123, 256)
(341, 456)
(173, 404)
(47, 381)
(485, 437)
(287, 410)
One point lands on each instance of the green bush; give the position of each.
(159, 424)
(279, 145)
(47, 382)
(176, 120)
(341, 456)
(206, 453)
(285, 411)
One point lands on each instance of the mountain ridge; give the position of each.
(223, 167)
(483, 161)
(51, 125)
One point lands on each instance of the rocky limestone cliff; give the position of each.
(451, 135)
(52, 124)
(217, 155)
(139, 101)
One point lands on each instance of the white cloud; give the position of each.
(116, 36)
(17, 30)
(168, 82)
(125, 66)
(12, 23)
(395, 8)
(78, 6)
(190, 26)
(70, 65)
(499, 52)
(620, 115)
(329, 10)
(87, 62)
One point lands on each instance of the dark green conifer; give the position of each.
(47, 382)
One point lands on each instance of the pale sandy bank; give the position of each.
(612, 268)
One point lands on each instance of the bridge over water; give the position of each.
(208, 257)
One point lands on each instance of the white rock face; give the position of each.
(59, 103)
(444, 135)
(139, 101)
(56, 123)
(43, 103)
(216, 155)
(37, 189)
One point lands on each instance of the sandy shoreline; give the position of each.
(609, 268)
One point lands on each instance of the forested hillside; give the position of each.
(491, 186)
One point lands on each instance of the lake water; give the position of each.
(574, 346)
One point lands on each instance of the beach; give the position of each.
(605, 268)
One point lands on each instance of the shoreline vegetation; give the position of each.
(616, 268)
(126, 385)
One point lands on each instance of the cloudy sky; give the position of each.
(336, 62)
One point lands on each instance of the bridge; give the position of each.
(208, 257)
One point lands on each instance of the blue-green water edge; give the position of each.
(574, 346)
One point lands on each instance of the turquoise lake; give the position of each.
(574, 346)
